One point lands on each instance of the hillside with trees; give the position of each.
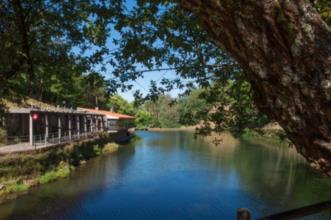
(202, 108)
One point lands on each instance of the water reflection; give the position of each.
(171, 175)
(62, 196)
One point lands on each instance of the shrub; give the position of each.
(61, 171)
(3, 136)
(110, 148)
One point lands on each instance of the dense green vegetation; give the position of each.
(59, 55)
(19, 172)
(56, 51)
(50, 48)
(324, 8)
(217, 108)
(2, 135)
(118, 104)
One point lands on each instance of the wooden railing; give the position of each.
(244, 214)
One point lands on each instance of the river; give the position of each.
(171, 175)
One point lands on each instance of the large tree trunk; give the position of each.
(285, 47)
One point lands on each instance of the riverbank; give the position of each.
(21, 172)
(166, 166)
(186, 128)
(271, 134)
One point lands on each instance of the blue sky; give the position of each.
(141, 84)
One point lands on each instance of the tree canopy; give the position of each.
(47, 46)
(56, 51)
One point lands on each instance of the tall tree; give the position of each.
(285, 48)
(282, 45)
(118, 104)
(39, 39)
(164, 112)
(192, 108)
(96, 86)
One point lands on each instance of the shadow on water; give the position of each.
(171, 175)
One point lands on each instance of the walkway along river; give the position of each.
(170, 175)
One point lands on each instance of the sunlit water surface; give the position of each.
(170, 175)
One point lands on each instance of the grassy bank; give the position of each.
(3, 136)
(272, 137)
(23, 171)
(183, 128)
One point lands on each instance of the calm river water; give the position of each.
(170, 175)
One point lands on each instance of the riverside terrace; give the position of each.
(35, 128)
(114, 121)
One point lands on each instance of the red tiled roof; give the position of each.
(109, 113)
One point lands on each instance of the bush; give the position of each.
(61, 171)
(97, 149)
(16, 187)
(3, 136)
(110, 148)
(143, 119)
(19, 172)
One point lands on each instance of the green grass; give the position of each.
(17, 187)
(3, 136)
(110, 148)
(97, 149)
(63, 170)
(14, 185)
(273, 138)
(20, 172)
